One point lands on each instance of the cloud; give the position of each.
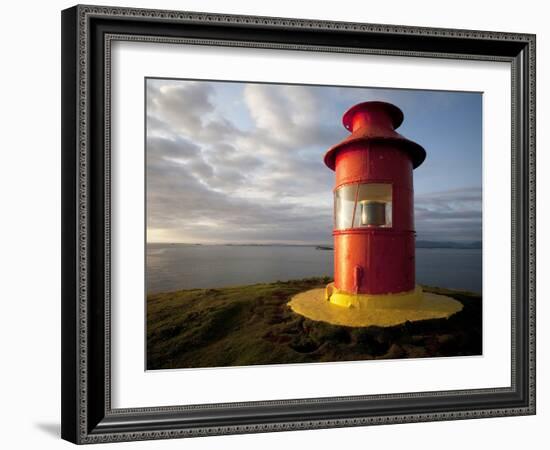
(287, 116)
(185, 108)
(230, 162)
(449, 215)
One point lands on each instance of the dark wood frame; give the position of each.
(87, 32)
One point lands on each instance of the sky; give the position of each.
(235, 162)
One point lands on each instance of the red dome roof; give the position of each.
(375, 122)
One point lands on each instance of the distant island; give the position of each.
(419, 244)
(443, 244)
(429, 244)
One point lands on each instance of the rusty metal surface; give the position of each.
(384, 255)
(375, 122)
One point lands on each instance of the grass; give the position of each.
(250, 325)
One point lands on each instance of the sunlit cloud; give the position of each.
(231, 162)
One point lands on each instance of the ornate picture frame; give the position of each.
(88, 33)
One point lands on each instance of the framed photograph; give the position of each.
(281, 224)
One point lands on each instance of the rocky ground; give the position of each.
(248, 325)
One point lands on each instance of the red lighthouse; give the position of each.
(373, 203)
(374, 237)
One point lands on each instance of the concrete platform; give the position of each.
(313, 305)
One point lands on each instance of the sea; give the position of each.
(171, 267)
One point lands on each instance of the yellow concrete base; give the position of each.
(372, 310)
(402, 300)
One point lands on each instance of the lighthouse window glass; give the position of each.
(361, 205)
(344, 200)
(374, 206)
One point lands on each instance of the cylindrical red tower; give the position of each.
(373, 233)
(374, 247)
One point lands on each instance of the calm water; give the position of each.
(171, 267)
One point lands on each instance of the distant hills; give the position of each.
(430, 244)
(419, 244)
(448, 244)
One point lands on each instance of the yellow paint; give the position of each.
(372, 310)
(408, 300)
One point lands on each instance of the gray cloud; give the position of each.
(449, 215)
(211, 179)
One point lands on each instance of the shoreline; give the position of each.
(425, 245)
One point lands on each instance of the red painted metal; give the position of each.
(376, 260)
